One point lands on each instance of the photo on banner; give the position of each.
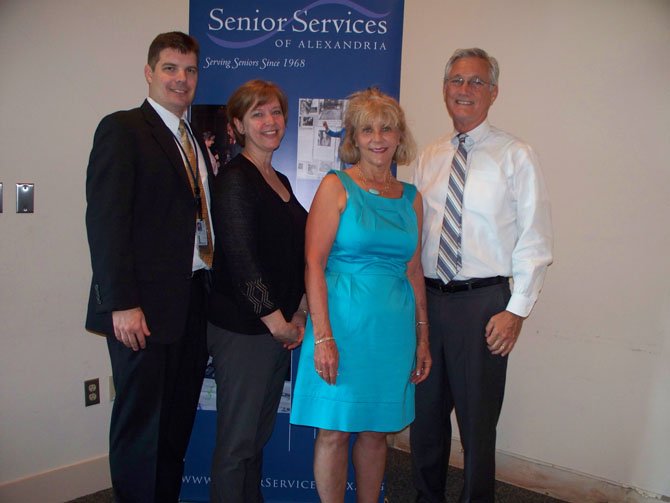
(319, 52)
(320, 133)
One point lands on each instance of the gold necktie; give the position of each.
(206, 252)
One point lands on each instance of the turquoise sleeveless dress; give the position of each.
(371, 309)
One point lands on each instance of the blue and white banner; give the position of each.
(318, 52)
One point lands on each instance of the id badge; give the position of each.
(201, 232)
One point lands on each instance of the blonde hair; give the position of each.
(369, 106)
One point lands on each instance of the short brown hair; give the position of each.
(251, 94)
(366, 107)
(176, 40)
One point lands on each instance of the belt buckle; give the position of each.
(454, 287)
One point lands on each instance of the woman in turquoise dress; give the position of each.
(366, 340)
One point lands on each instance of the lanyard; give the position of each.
(193, 172)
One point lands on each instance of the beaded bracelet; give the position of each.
(324, 339)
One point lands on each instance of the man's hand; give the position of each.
(130, 328)
(502, 331)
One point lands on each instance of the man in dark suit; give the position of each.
(150, 240)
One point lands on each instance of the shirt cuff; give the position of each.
(520, 305)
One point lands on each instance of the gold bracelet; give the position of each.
(323, 339)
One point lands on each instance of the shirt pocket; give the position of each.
(484, 192)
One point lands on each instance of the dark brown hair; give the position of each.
(176, 40)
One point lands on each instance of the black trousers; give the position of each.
(157, 391)
(466, 377)
(249, 371)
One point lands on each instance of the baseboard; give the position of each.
(92, 475)
(62, 484)
(563, 483)
(553, 481)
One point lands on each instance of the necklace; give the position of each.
(368, 187)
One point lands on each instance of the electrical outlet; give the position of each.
(92, 392)
(112, 390)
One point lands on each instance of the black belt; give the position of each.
(462, 286)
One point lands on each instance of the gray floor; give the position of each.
(399, 487)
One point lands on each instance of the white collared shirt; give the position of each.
(506, 213)
(172, 122)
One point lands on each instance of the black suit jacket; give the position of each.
(140, 220)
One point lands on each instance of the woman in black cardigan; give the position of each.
(257, 309)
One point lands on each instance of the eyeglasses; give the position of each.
(473, 82)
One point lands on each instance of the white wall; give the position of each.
(64, 65)
(585, 82)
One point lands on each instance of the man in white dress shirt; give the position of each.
(475, 319)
